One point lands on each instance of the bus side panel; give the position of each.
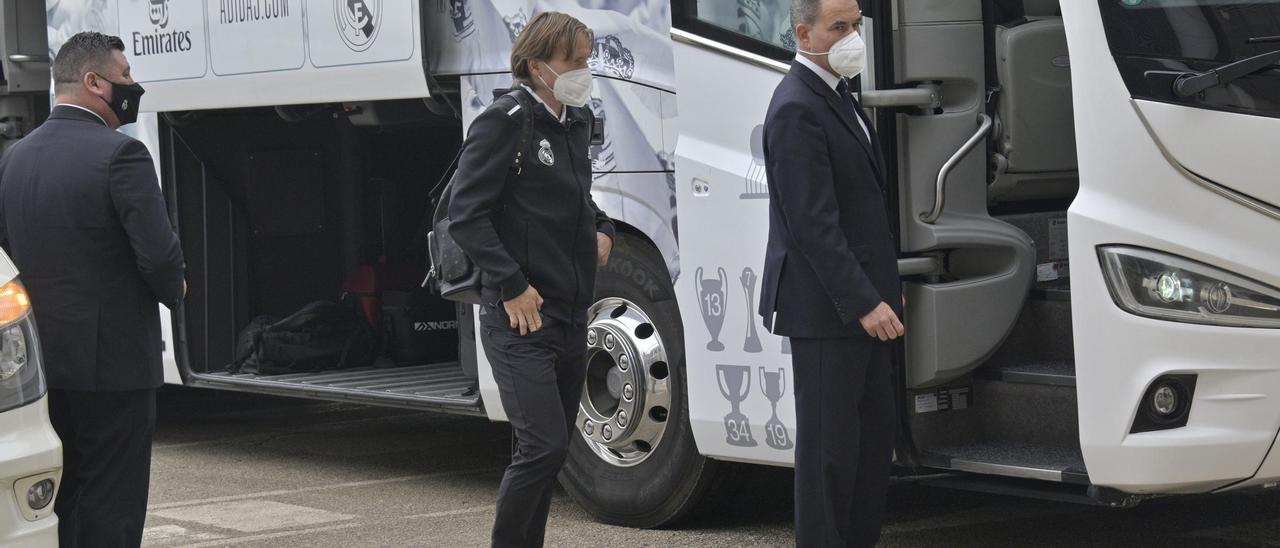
(203, 55)
(475, 36)
(739, 375)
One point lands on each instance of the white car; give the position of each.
(30, 451)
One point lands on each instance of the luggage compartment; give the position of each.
(279, 208)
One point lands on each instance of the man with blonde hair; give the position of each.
(526, 218)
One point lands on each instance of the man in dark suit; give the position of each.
(830, 280)
(83, 217)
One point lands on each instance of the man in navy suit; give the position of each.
(84, 220)
(830, 279)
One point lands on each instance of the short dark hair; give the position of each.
(805, 12)
(84, 52)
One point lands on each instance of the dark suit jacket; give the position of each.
(84, 220)
(831, 257)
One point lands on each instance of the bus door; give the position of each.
(962, 309)
(1176, 274)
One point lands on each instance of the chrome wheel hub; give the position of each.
(627, 396)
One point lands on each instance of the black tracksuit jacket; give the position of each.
(541, 229)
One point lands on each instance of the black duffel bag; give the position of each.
(322, 335)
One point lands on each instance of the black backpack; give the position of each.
(451, 273)
(322, 335)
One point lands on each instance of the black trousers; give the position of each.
(540, 379)
(845, 429)
(106, 465)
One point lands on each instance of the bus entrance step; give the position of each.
(1012, 459)
(1054, 373)
(441, 386)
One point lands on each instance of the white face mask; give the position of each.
(572, 88)
(848, 56)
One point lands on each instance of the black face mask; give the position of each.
(125, 101)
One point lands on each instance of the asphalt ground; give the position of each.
(244, 470)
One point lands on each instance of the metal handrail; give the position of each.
(24, 58)
(939, 200)
(692, 39)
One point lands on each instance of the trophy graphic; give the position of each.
(774, 385)
(757, 185)
(736, 425)
(748, 280)
(711, 295)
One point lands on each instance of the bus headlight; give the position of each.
(1166, 287)
(21, 380)
(13, 352)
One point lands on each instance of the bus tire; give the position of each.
(621, 484)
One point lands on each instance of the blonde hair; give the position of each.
(550, 33)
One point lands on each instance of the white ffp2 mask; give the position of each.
(572, 88)
(847, 56)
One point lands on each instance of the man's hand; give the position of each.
(882, 323)
(523, 311)
(604, 246)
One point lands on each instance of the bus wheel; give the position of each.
(633, 461)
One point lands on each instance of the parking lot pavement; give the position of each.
(241, 470)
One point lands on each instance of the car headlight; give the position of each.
(21, 380)
(1166, 287)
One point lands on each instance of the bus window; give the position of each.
(764, 20)
(1153, 41)
(759, 26)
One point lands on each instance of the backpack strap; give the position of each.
(439, 195)
(525, 112)
(438, 189)
(526, 106)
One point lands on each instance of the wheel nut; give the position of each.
(624, 363)
(628, 392)
(592, 338)
(609, 341)
(589, 428)
(622, 419)
(608, 432)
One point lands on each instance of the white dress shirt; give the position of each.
(560, 115)
(833, 81)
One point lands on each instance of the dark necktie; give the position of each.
(842, 89)
(863, 133)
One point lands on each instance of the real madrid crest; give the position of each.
(544, 153)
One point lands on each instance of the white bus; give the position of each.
(1082, 191)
